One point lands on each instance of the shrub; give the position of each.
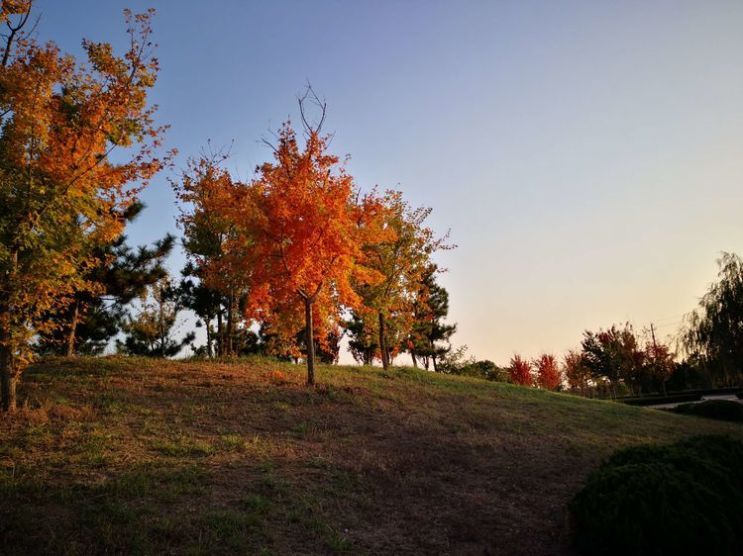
(484, 369)
(685, 498)
(724, 410)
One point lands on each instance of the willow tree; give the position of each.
(60, 189)
(715, 329)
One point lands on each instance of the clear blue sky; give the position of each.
(587, 156)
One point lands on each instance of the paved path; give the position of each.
(730, 397)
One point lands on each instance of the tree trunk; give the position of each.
(8, 377)
(8, 384)
(8, 380)
(208, 321)
(414, 358)
(220, 334)
(433, 356)
(383, 342)
(230, 322)
(310, 340)
(73, 328)
(163, 333)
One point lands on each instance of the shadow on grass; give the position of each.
(160, 510)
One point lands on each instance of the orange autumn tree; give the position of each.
(308, 226)
(60, 191)
(548, 372)
(520, 371)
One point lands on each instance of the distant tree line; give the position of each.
(620, 361)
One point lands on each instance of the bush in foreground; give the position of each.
(685, 498)
(724, 410)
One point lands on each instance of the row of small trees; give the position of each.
(609, 361)
(618, 360)
(542, 372)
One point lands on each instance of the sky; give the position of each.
(586, 156)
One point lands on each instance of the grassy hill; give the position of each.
(126, 455)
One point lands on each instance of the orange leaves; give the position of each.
(304, 243)
(294, 236)
(67, 119)
(308, 229)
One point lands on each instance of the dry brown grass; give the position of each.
(126, 455)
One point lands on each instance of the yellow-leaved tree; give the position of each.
(60, 189)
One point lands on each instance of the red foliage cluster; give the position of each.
(548, 372)
(520, 371)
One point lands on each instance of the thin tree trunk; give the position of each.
(383, 342)
(220, 334)
(73, 328)
(230, 321)
(8, 380)
(414, 358)
(310, 340)
(208, 321)
(8, 384)
(163, 333)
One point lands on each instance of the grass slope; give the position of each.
(126, 455)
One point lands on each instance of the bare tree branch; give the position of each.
(311, 96)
